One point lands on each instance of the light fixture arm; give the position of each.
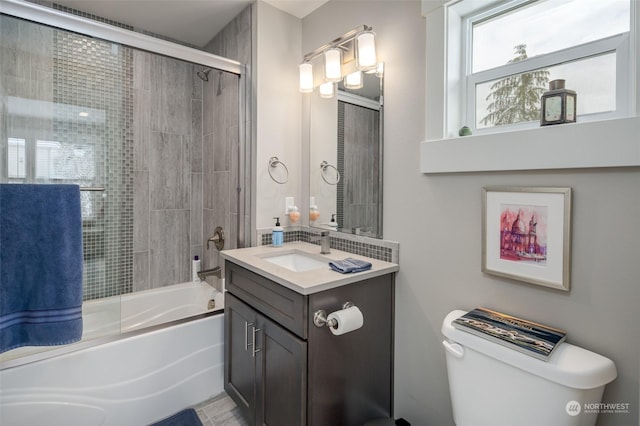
(345, 38)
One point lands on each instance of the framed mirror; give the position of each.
(346, 158)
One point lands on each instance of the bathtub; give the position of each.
(148, 373)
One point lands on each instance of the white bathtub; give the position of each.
(133, 380)
(120, 314)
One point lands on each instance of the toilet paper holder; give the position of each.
(320, 316)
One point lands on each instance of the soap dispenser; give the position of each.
(277, 236)
(314, 213)
(333, 222)
(294, 214)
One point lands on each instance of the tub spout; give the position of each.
(217, 271)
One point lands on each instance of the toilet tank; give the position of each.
(493, 385)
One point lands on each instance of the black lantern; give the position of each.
(558, 104)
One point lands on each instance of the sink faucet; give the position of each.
(325, 246)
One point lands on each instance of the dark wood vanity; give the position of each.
(282, 370)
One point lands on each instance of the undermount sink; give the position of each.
(297, 261)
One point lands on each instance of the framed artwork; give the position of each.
(526, 234)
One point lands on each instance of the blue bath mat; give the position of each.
(186, 417)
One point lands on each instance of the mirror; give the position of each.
(346, 159)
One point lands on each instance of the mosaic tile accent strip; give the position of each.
(94, 77)
(384, 250)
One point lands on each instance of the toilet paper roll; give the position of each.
(346, 320)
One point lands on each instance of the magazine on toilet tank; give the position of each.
(528, 337)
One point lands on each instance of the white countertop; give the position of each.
(306, 282)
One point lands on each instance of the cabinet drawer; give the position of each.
(282, 305)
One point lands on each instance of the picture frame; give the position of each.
(526, 234)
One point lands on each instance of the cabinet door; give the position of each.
(240, 370)
(281, 373)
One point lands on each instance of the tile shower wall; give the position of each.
(185, 159)
(26, 72)
(161, 164)
(358, 196)
(94, 76)
(167, 157)
(222, 167)
(49, 77)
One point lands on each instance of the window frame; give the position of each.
(597, 144)
(464, 14)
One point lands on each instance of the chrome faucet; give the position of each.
(325, 246)
(217, 271)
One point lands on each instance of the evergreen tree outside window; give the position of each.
(516, 98)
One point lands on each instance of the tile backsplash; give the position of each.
(385, 250)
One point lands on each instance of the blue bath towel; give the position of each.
(349, 265)
(40, 265)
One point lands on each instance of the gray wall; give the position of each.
(436, 220)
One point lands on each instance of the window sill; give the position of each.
(611, 143)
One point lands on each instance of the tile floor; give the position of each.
(220, 411)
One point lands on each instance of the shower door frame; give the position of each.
(53, 18)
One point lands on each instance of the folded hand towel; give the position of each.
(40, 265)
(349, 265)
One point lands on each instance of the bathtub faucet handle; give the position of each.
(217, 238)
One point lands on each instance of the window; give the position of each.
(511, 51)
(16, 159)
(65, 161)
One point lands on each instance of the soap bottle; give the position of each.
(277, 236)
(195, 268)
(314, 213)
(294, 214)
(333, 222)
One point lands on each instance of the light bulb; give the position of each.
(366, 51)
(353, 80)
(326, 90)
(306, 77)
(333, 65)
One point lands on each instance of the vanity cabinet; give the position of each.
(282, 370)
(266, 367)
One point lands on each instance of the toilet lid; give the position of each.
(568, 365)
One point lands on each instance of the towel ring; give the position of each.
(273, 163)
(324, 166)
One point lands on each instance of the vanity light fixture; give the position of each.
(333, 65)
(366, 51)
(343, 58)
(327, 90)
(306, 78)
(353, 80)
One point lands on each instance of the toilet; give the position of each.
(493, 385)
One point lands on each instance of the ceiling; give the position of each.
(193, 22)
